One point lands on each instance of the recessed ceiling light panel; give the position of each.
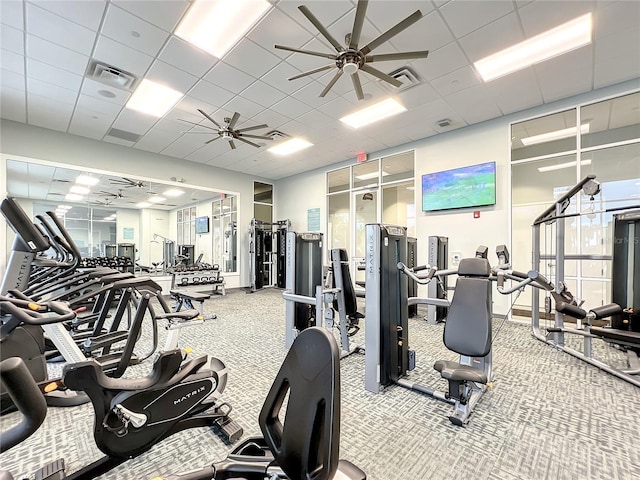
(290, 146)
(153, 99)
(87, 180)
(79, 189)
(374, 113)
(216, 26)
(173, 192)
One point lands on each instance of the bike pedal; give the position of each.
(230, 429)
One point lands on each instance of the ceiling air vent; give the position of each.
(276, 134)
(406, 75)
(112, 76)
(123, 135)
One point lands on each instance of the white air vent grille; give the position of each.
(112, 76)
(276, 134)
(123, 135)
(406, 75)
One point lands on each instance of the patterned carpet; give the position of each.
(548, 416)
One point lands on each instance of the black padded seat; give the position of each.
(198, 297)
(181, 315)
(615, 335)
(459, 373)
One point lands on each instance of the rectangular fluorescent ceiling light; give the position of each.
(173, 192)
(549, 44)
(555, 135)
(64, 207)
(143, 204)
(153, 99)
(216, 26)
(87, 180)
(370, 175)
(290, 146)
(374, 113)
(79, 189)
(73, 197)
(560, 166)
(157, 199)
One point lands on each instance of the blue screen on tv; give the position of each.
(202, 225)
(472, 186)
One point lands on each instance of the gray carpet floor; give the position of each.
(548, 416)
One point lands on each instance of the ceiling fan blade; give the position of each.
(247, 141)
(396, 56)
(197, 124)
(392, 32)
(316, 23)
(381, 75)
(212, 140)
(232, 145)
(311, 72)
(254, 136)
(331, 83)
(307, 52)
(209, 118)
(357, 86)
(234, 120)
(199, 133)
(361, 10)
(255, 127)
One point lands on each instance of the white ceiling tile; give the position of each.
(11, 61)
(12, 39)
(187, 57)
(310, 94)
(344, 25)
(183, 146)
(130, 30)
(121, 56)
(85, 13)
(293, 128)
(262, 94)
(465, 16)
(271, 118)
(13, 105)
(90, 124)
(428, 33)
(418, 95)
(616, 17)
(44, 89)
(206, 153)
(291, 108)
(88, 103)
(567, 75)
(384, 15)
(304, 62)
(540, 16)
(210, 93)
(340, 107)
(454, 82)
(251, 58)
(171, 76)
(59, 31)
(277, 77)
(278, 28)
(516, 92)
(168, 126)
(229, 78)
(47, 113)
(492, 38)
(50, 74)
(135, 122)
(12, 80)
(162, 13)
(344, 85)
(326, 12)
(56, 55)
(473, 104)
(616, 58)
(12, 14)
(155, 140)
(93, 89)
(441, 62)
(314, 119)
(245, 107)
(118, 141)
(187, 109)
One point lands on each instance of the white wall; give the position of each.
(34, 143)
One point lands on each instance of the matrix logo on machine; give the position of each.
(176, 401)
(189, 395)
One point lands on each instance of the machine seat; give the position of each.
(194, 296)
(459, 373)
(181, 315)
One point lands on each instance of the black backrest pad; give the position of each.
(306, 445)
(339, 255)
(467, 330)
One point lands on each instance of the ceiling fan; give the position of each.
(111, 195)
(229, 132)
(349, 58)
(127, 182)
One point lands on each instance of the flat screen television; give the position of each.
(473, 186)
(202, 224)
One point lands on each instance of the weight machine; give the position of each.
(267, 251)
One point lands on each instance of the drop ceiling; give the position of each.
(47, 47)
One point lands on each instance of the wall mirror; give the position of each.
(153, 220)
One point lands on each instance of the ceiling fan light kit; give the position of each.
(349, 58)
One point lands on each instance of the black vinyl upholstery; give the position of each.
(350, 300)
(467, 330)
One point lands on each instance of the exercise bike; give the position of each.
(132, 415)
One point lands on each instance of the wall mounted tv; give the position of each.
(202, 224)
(473, 186)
